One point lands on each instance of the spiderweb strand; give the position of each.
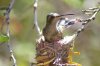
(7, 18)
(35, 18)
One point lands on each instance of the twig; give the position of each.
(68, 39)
(85, 22)
(35, 17)
(7, 18)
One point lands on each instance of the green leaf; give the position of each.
(3, 38)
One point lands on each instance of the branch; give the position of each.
(85, 22)
(7, 18)
(35, 18)
(68, 39)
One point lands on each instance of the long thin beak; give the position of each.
(65, 15)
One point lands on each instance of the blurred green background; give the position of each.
(23, 35)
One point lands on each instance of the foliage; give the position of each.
(3, 38)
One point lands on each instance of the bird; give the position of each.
(55, 24)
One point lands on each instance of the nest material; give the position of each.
(51, 51)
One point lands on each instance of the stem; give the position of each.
(7, 18)
(85, 22)
(68, 39)
(35, 18)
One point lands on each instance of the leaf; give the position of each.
(3, 38)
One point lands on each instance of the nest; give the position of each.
(52, 54)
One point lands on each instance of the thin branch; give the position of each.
(7, 18)
(85, 22)
(35, 18)
(68, 39)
